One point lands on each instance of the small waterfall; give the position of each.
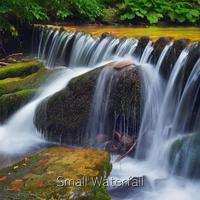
(80, 49)
(171, 104)
(98, 114)
(19, 134)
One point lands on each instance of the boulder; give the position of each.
(184, 156)
(57, 173)
(64, 116)
(18, 84)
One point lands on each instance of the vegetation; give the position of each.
(18, 84)
(36, 176)
(128, 11)
(154, 11)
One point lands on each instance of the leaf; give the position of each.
(181, 18)
(3, 178)
(50, 172)
(195, 13)
(40, 184)
(153, 17)
(43, 162)
(139, 14)
(127, 16)
(15, 188)
(16, 181)
(48, 154)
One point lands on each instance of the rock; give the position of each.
(143, 41)
(184, 156)
(18, 84)
(57, 173)
(15, 58)
(52, 115)
(10, 103)
(122, 64)
(19, 69)
(172, 56)
(159, 45)
(131, 189)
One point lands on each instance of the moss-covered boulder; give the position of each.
(64, 116)
(18, 84)
(57, 173)
(184, 156)
(10, 103)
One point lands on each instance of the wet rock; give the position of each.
(184, 156)
(55, 173)
(143, 41)
(122, 64)
(159, 45)
(52, 115)
(172, 56)
(18, 84)
(134, 188)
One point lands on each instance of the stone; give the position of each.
(57, 173)
(52, 115)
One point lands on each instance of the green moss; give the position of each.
(37, 175)
(74, 101)
(52, 115)
(175, 149)
(31, 81)
(10, 103)
(19, 69)
(184, 156)
(18, 84)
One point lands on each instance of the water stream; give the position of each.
(165, 100)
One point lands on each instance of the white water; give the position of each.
(19, 134)
(164, 186)
(158, 132)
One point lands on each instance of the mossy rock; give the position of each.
(64, 116)
(184, 156)
(18, 84)
(43, 175)
(10, 103)
(19, 69)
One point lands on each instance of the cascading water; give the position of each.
(165, 100)
(171, 109)
(18, 135)
(98, 113)
(80, 49)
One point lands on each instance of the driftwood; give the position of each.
(127, 153)
(121, 142)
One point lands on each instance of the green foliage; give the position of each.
(153, 11)
(148, 11)
(29, 11)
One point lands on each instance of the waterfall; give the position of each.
(171, 104)
(99, 109)
(80, 49)
(19, 134)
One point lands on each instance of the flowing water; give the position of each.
(19, 134)
(166, 101)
